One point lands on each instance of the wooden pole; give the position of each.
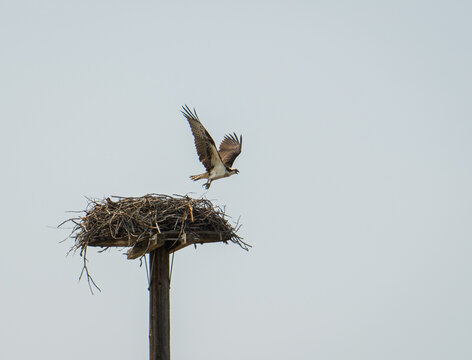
(159, 319)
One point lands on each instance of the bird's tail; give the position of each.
(198, 177)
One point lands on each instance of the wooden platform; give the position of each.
(171, 240)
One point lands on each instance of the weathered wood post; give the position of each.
(159, 320)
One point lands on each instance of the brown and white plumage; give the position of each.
(217, 163)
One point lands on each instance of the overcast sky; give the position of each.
(354, 186)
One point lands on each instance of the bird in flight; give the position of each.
(217, 162)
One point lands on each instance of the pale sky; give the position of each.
(354, 186)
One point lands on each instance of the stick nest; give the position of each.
(147, 222)
(124, 221)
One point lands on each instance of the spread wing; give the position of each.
(230, 148)
(204, 143)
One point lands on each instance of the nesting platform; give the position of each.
(146, 223)
(158, 225)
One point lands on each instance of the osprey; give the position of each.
(217, 162)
